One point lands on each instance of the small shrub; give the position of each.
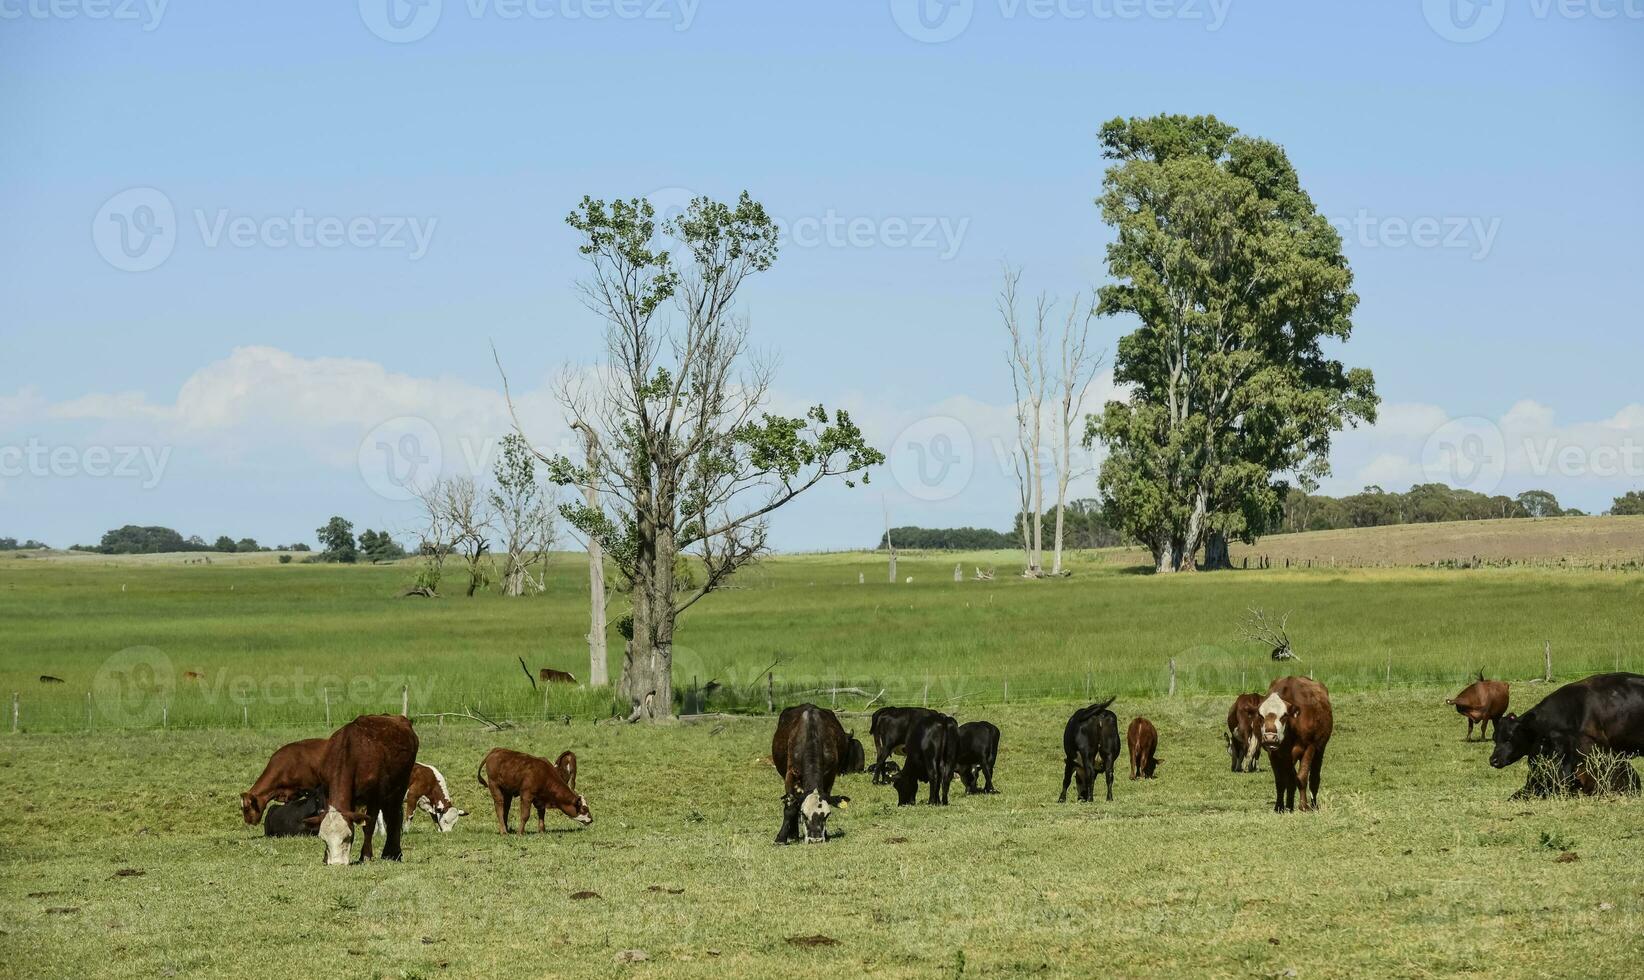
(285, 559)
(1556, 842)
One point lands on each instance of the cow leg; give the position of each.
(542, 809)
(525, 803)
(1278, 782)
(1110, 765)
(1304, 774)
(1315, 773)
(1067, 777)
(883, 754)
(410, 813)
(504, 804)
(370, 831)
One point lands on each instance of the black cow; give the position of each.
(855, 760)
(292, 819)
(890, 729)
(807, 749)
(978, 748)
(1603, 711)
(1090, 743)
(933, 754)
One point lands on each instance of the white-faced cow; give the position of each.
(1296, 726)
(429, 794)
(807, 750)
(366, 770)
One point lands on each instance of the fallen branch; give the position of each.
(471, 715)
(419, 591)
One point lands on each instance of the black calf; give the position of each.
(290, 820)
(978, 748)
(933, 748)
(890, 728)
(1091, 744)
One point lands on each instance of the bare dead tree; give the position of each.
(1078, 369)
(598, 674)
(1028, 377)
(471, 524)
(1259, 629)
(687, 457)
(437, 538)
(890, 546)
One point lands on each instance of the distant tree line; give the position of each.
(1424, 503)
(337, 539)
(153, 539)
(1082, 527)
(1629, 504)
(10, 544)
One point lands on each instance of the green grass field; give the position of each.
(273, 643)
(124, 853)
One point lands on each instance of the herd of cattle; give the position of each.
(366, 773)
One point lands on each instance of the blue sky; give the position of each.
(353, 218)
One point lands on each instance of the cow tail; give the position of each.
(480, 775)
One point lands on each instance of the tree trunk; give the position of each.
(647, 680)
(598, 674)
(1216, 555)
(513, 584)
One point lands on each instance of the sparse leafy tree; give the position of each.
(524, 514)
(1238, 282)
(336, 536)
(687, 456)
(1629, 504)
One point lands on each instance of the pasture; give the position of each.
(125, 854)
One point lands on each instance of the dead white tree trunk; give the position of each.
(1028, 375)
(598, 672)
(1079, 367)
(890, 546)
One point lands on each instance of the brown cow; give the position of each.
(807, 750)
(537, 782)
(1482, 702)
(1296, 724)
(553, 676)
(1143, 740)
(290, 770)
(567, 766)
(1244, 732)
(366, 770)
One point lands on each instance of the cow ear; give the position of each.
(1512, 717)
(842, 802)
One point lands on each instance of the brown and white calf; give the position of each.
(1296, 726)
(537, 784)
(291, 769)
(1244, 732)
(429, 794)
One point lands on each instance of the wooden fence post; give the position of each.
(1547, 661)
(14, 712)
(405, 700)
(245, 715)
(326, 691)
(770, 694)
(1172, 676)
(165, 715)
(88, 711)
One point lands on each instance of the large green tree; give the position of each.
(1238, 283)
(680, 442)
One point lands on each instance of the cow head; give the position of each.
(445, 815)
(814, 810)
(577, 810)
(1277, 717)
(337, 831)
(1514, 740)
(251, 809)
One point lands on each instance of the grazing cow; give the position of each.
(889, 728)
(1296, 725)
(292, 819)
(855, 759)
(978, 750)
(290, 770)
(932, 757)
(806, 750)
(1143, 739)
(366, 770)
(1482, 702)
(553, 676)
(567, 766)
(429, 794)
(1090, 743)
(1244, 732)
(537, 783)
(1602, 711)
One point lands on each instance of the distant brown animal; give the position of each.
(567, 766)
(193, 675)
(1143, 740)
(1296, 726)
(537, 783)
(553, 676)
(365, 773)
(1244, 732)
(290, 770)
(48, 679)
(1482, 702)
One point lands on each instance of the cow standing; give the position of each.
(291, 769)
(978, 751)
(933, 755)
(429, 794)
(365, 771)
(1482, 702)
(889, 729)
(1244, 732)
(1604, 711)
(537, 784)
(1090, 744)
(806, 750)
(1296, 725)
(1143, 740)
